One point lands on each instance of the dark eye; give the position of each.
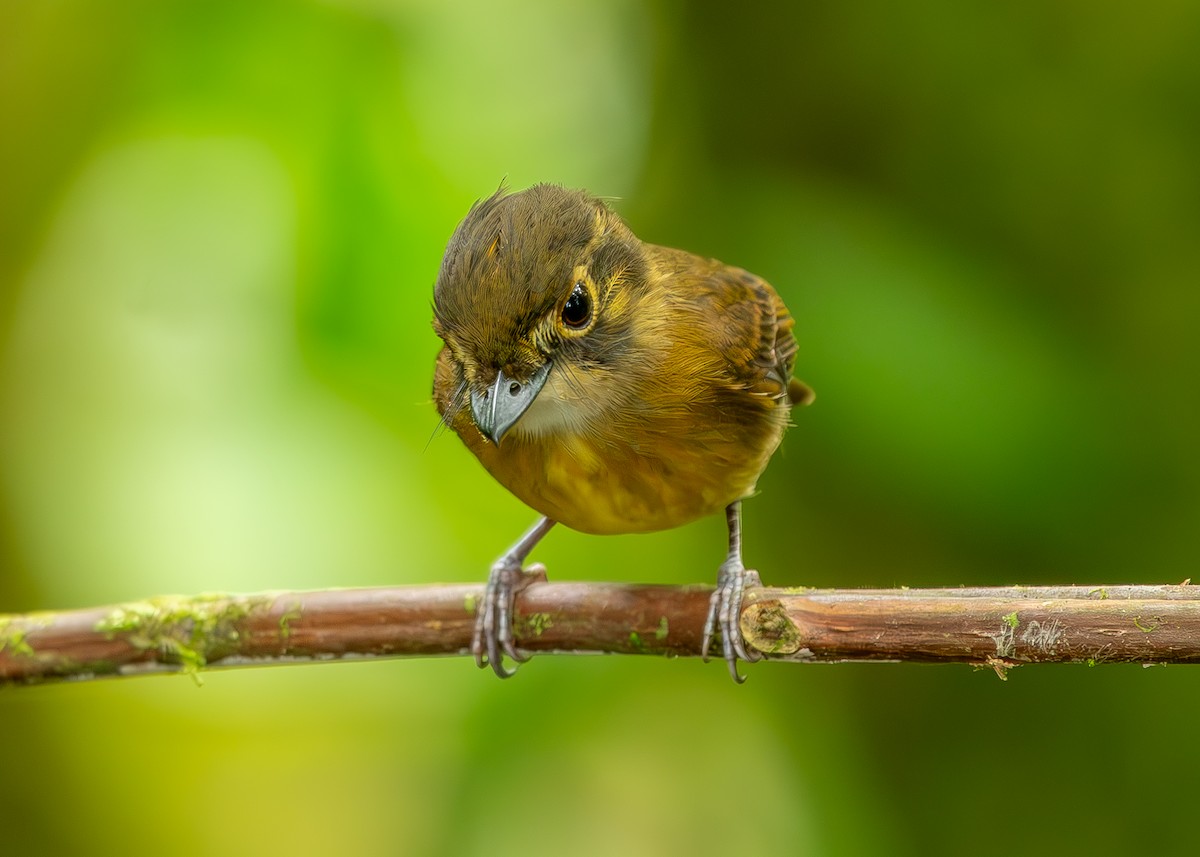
(577, 311)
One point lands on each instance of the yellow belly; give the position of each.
(609, 486)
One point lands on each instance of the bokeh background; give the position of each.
(220, 223)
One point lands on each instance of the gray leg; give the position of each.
(494, 615)
(725, 606)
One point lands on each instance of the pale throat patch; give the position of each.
(564, 405)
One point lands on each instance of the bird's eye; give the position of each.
(577, 311)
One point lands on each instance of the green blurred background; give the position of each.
(220, 223)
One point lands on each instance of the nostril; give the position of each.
(514, 388)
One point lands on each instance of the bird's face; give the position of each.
(534, 301)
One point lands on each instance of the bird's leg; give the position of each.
(725, 606)
(493, 635)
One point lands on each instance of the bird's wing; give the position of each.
(753, 329)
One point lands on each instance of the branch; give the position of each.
(996, 627)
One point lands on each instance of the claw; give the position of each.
(493, 636)
(725, 605)
(724, 611)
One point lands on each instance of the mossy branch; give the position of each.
(995, 627)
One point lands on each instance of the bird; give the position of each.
(612, 385)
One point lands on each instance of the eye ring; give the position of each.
(577, 309)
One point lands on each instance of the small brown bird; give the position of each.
(612, 385)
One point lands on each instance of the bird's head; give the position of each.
(534, 302)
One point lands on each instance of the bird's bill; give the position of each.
(499, 407)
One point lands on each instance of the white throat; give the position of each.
(561, 407)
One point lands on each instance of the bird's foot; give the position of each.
(494, 635)
(724, 611)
